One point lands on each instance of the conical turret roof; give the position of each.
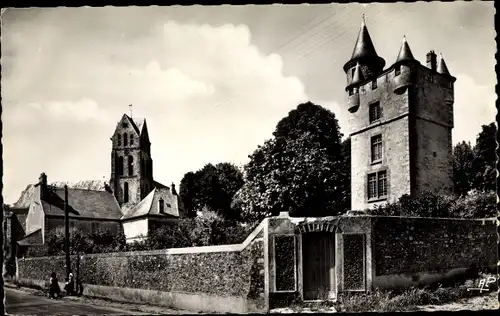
(405, 52)
(364, 45)
(358, 75)
(441, 66)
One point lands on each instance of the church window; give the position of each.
(350, 91)
(161, 206)
(377, 185)
(352, 72)
(125, 192)
(119, 139)
(120, 165)
(375, 112)
(397, 70)
(376, 148)
(374, 84)
(125, 139)
(130, 165)
(131, 139)
(124, 125)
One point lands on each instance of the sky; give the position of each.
(211, 81)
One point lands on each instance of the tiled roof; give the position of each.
(149, 205)
(405, 52)
(34, 238)
(139, 123)
(82, 203)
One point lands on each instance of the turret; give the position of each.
(404, 68)
(353, 89)
(371, 65)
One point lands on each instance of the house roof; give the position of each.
(33, 238)
(149, 205)
(82, 203)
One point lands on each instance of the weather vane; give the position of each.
(130, 105)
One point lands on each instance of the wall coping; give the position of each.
(172, 251)
(312, 219)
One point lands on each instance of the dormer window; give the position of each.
(397, 70)
(374, 84)
(161, 206)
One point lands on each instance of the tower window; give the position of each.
(131, 139)
(352, 72)
(375, 112)
(125, 139)
(161, 206)
(377, 185)
(130, 165)
(350, 91)
(124, 125)
(376, 148)
(120, 165)
(119, 139)
(397, 70)
(125, 192)
(374, 84)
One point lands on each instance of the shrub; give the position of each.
(476, 204)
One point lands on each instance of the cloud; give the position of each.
(81, 110)
(474, 106)
(207, 92)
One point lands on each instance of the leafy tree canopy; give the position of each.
(300, 170)
(211, 188)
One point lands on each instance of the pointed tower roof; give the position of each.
(358, 75)
(364, 49)
(405, 52)
(441, 66)
(364, 45)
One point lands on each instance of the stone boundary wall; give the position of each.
(412, 250)
(227, 278)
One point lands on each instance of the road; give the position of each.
(23, 303)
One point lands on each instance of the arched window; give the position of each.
(130, 165)
(125, 192)
(120, 165)
(161, 206)
(119, 139)
(131, 138)
(125, 139)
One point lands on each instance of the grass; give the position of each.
(398, 301)
(407, 300)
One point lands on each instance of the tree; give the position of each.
(300, 170)
(211, 188)
(484, 163)
(187, 193)
(463, 155)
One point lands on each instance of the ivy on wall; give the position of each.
(284, 251)
(354, 276)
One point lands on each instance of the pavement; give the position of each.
(19, 302)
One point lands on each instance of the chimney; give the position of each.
(174, 192)
(107, 188)
(42, 182)
(431, 60)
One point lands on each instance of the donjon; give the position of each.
(401, 120)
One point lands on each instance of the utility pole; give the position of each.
(66, 232)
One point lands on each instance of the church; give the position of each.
(133, 202)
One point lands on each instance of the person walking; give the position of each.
(54, 289)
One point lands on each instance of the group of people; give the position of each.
(71, 287)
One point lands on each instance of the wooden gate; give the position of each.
(318, 251)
